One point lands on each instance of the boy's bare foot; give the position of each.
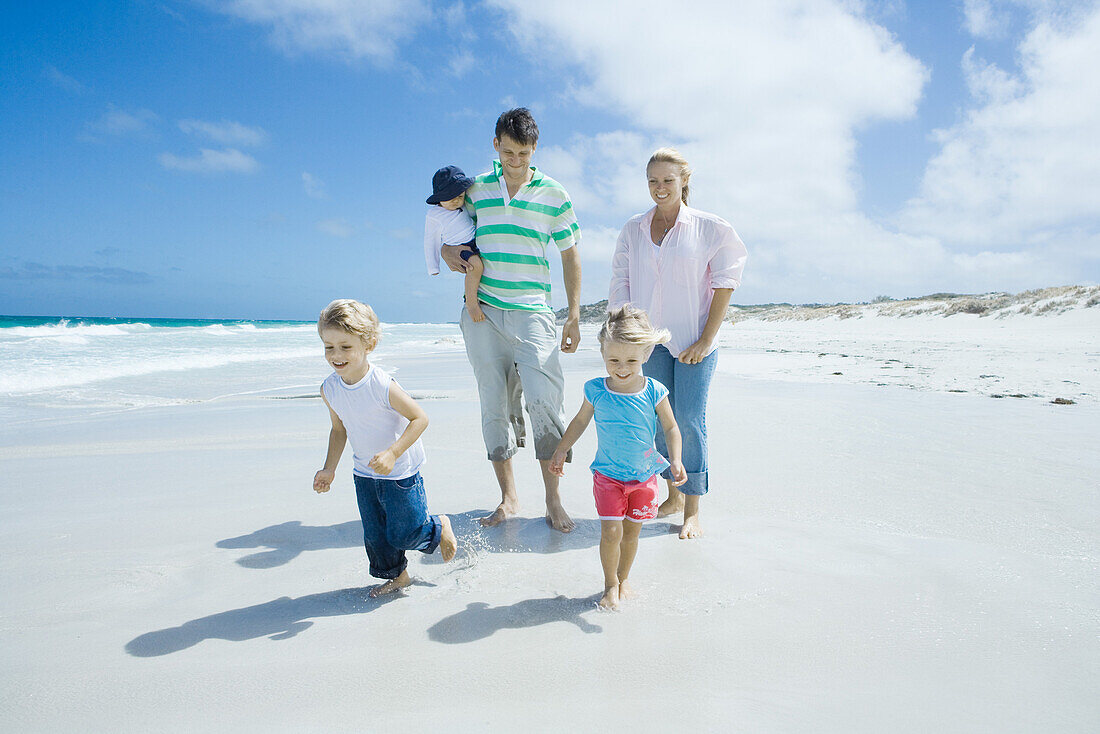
(609, 602)
(448, 543)
(690, 528)
(558, 518)
(392, 585)
(626, 591)
(503, 511)
(475, 312)
(671, 506)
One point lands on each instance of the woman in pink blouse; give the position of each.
(681, 265)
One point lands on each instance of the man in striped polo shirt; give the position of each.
(519, 212)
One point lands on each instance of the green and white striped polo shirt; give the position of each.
(513, 236)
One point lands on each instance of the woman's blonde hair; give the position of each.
(671, 155)
(630, 325)
(353, 317)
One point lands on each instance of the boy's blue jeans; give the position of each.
(395, 519)
(688, 385)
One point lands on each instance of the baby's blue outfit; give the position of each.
(626, 426)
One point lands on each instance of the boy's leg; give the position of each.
(611, 536)
(474, 270)
(386, 561)
(408, 524)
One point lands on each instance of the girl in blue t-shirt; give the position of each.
(626, 405)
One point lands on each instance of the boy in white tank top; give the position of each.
(384, 426)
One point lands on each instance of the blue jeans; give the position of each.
(395, 519)
(688, 385)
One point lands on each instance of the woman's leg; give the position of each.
(692, 384)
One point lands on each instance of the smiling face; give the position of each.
(666, 185)
(624, 365)
(346, 353)
(515, 157)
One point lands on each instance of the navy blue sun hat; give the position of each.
(447, 183)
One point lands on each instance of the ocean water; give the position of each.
(53, 367)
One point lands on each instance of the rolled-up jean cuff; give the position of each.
(696, 483)
(437, 533)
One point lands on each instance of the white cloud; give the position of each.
(225, 132)
(983, 20)
(119, 122)
(1021, 171)
(64, 81)
(314, 187)
(336, 228)
(352, 28)
(229, 160)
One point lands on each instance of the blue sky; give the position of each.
(258, 158)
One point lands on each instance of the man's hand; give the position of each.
(571, 335)
(452, 255)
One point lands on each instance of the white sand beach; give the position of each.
(881, 554)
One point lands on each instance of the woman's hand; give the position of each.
(696, 352)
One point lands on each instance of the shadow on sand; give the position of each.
(288, 540)
(280, 619)
(480, 620)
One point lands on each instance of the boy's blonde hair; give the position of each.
(630, 325)
(353, 317)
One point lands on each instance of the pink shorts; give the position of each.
(615, 500)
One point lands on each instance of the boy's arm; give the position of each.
(572, 433)
(337, 439)
(672, 441)
(571, 275)
(383, 461)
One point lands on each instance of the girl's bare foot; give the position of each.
(690, 528)
(503, 511)
(626, 591)
(558, 518)
(609, 602)
(671, 506)
(448, 543)
(392, 585)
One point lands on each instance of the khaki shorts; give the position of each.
(507, 342)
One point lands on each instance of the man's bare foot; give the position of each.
(691, 528)
(475, 312)
(503, 511)
(671, 506)
(392, 585)
(558, 518)
(626, 591)
(448, 543)
(609, 602)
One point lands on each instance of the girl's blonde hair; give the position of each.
(630, 325)
(353, 317)
(673, 156)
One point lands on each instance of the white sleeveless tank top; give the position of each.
(372, 424)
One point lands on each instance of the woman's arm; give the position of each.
(719, 305)
(619, 292)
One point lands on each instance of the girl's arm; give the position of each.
(337, 439)
(672, 441)
(719, 305)
(383, 461)
(572, 433)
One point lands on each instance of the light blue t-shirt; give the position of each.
(626, 426)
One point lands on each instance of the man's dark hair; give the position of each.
(518, 125)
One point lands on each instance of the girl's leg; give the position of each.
(660, 366)
(611, 536)
(628, 548)
(692, 388)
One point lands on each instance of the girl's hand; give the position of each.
(557, 463)
(383, 462)
(696, 352)
(679, 474)
(322, 480)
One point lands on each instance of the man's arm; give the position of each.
(452, 256)
(571, 274)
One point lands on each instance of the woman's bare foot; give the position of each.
(475, 312)
(558, 518)
(691, 528)
(392, 585)
(448, 543)
(609, 602)
(626, 591)
(503, 511)
(671, 506)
